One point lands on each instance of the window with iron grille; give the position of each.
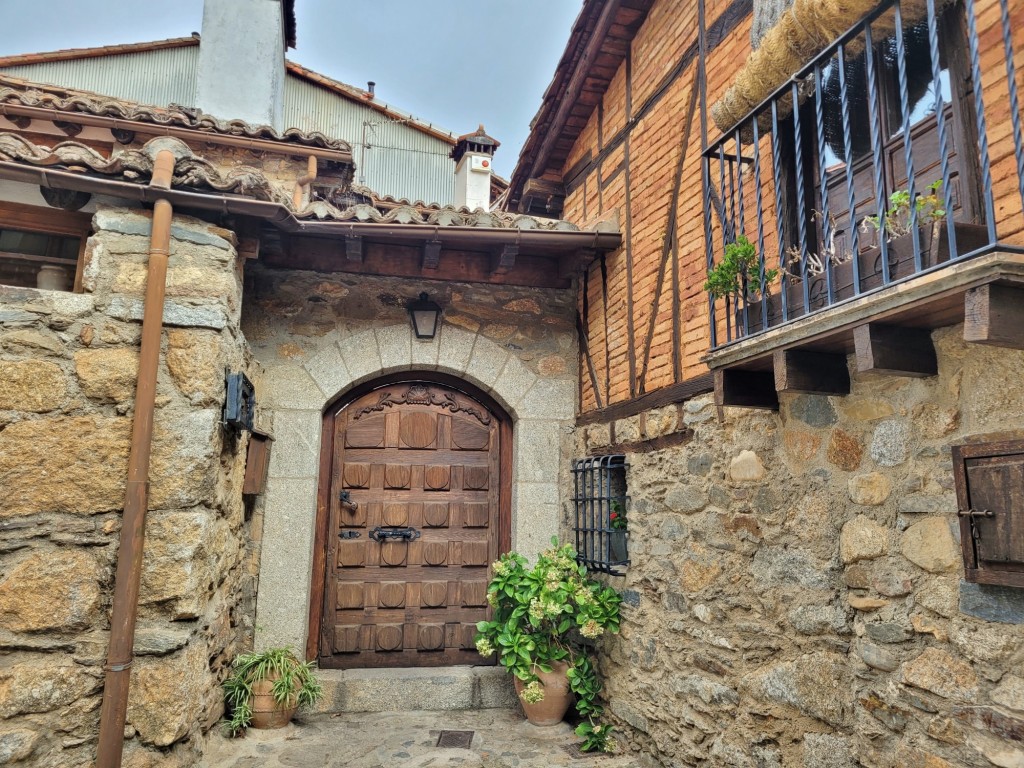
(602, 507)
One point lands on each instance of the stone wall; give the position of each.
(795, 596)
(318, 335)
(68, 363)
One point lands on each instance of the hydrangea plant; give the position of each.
(549, 613)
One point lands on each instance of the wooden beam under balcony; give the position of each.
(994, 314)
(894, 350)
(741, 388)
(808, 372)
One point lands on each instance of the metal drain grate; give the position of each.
(455, 739)
(577, 754)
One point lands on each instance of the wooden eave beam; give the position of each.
(354, 248)
(894, 350)
(575, 86)
(994, 315)
(746, 389)
(809, 372)
(431, 254)
(504, 260)
(570, 266)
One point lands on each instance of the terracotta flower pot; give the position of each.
(267, 713)
(557, 696)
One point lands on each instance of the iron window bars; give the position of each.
(845, 134)
(599, 499)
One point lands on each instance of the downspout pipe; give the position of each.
(133, 524)
(302, 183)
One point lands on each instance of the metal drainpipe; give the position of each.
(303, 182)
(133, 524)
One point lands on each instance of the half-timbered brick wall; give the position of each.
(643, 307)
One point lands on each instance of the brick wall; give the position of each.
(634, 272)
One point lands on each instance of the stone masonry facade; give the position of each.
(317, 335)
(795, 595)
(69, 364)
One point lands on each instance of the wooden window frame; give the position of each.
(50, 221)
(963, 134)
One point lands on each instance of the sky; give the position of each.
(455, 63)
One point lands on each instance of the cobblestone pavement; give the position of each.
(503, 739)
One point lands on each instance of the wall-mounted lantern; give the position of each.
(239, 403)
(426, 317)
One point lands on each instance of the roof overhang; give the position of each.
(509, 256)
(598, 44)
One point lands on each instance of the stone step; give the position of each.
(429, 688)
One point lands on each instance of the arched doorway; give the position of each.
(414, 503)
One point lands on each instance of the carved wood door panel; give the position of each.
(414, 523)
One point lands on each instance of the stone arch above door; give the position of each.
(296, 393)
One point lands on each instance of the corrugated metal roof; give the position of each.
(165, 76)
(398, 161)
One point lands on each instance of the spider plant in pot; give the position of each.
(264, 689)
(545, 621)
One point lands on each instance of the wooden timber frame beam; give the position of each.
(716, 33)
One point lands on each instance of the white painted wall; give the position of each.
(473, 181)
(241, 61)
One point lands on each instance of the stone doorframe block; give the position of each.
(297, 393)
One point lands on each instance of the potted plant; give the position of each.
(545, 619)
(933, 235)
(618, 526)
(265, 688)
(737, 276)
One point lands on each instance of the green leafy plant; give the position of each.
(896, 220)
(617, 517)
(294, 683)
(738, 272)
(549, 613)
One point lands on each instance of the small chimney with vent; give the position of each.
(241, 59)
(474, 159)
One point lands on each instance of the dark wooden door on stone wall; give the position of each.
(415, 519)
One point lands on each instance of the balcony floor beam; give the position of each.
(894, 350)
(746, 389)
(994, 314)
(809, 372)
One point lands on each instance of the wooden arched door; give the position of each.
(413, 507)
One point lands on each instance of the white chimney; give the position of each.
(474, 159)
(241, 60)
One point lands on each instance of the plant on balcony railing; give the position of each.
(738, 273)
(897, 220)
(813, 264)
(738, 278)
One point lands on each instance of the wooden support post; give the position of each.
(431, 254)
(895, 351)
(994, 314)
(505, 259)
(354, 248)
(570, 266)
(815, 373)
(249, 247)
(746, 389)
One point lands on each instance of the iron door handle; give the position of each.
(346, 502)
(406, 534)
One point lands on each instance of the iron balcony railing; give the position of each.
(870, 166)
